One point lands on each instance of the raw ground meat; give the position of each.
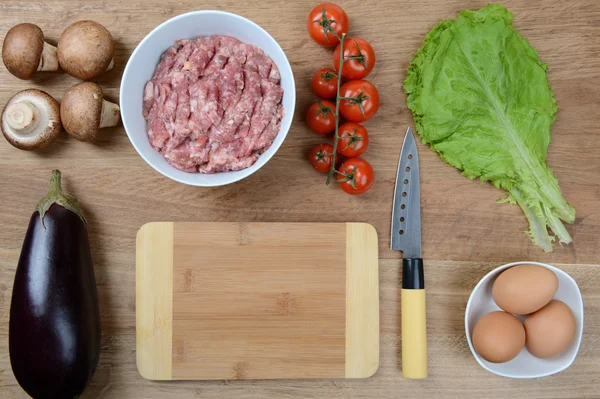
(213, 105)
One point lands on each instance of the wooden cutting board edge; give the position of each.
(362, 301)
(154, 307)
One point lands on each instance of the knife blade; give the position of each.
(406, 237)
(406, 214)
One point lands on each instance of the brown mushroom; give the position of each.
(85, 50)
(25, 52)
(31, 120)
(84, 111)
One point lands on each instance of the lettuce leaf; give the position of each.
(481, 99)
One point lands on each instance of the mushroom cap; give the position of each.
(22, 49)
(85, 49)
(81, 110)
(49, 119)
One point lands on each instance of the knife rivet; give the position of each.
(402, 206)
(401, 231)
(404, 194)
(409, 156)
(405, 181)
(402, 219)
(407, 169)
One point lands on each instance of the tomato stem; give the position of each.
(360, 57)
(323, 110)
(337, 109)
(327, 76)
(358, 100)
(349, 177)
(321, 154)
(354, 139)
(326, 24)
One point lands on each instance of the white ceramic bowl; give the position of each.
(140, 69)
(525, 365)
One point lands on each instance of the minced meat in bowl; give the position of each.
(249, 147)
(213, 104)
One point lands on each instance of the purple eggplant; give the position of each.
(54, 328)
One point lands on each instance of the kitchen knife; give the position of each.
(406, 237)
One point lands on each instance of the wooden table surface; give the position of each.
(465, 233)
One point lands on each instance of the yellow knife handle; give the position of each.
(414, 325)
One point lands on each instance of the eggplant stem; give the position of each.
(56, 195)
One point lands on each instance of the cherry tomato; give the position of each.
(324, 83)
(359, 56)
(325, 21)
(353, 140)
(320, 117)
(361, 100)
(356, 176)
(320, 157)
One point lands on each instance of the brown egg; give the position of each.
(550, 330)
(524, 289)
(498, 337)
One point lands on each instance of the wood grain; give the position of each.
(362, 301)
(257, 301)
(267, 301)
(462, 224)
(154, 300)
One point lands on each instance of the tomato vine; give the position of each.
(336, 137)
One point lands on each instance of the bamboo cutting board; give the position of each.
(257, 301)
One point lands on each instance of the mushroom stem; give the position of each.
(110, 114)
(49, 58)
(23, 117)
(111, 65)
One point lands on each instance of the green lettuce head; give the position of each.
(481, 99)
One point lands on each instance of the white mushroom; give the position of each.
(84, 111)
(31, 120)
(85, 50)
(25, 52)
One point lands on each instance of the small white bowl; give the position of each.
(525, 365)
(140, 69)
